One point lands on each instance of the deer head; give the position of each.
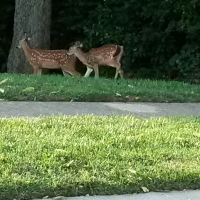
(22, 41)
(74, 48)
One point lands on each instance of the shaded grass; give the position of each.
(58, 88)
(87, 154)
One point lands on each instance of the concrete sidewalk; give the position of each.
(175, 195)
(35, 109)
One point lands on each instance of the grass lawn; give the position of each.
(87, 154)
(59, 88)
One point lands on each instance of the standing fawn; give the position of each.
(109, 55)
(51, 59)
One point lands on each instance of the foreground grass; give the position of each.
(58, 88)
(97, 155)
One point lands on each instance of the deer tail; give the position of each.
(119, 52)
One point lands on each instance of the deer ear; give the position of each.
(25, 34)
(77, 43)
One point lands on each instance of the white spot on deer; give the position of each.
(39, 53)
(37, 57)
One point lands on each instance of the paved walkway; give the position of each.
(175, 195)
(35, 109)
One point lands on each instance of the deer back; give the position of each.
(60, 57)
(103, 54)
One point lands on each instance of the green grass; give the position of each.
(58, 88)
(88, 154)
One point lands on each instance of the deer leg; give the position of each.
(96, 71)
(64, 72)
(116, 73)
(35, 70)
(119, 71)
(74, 73)
(39, 72)
(71, 71)
(88, 72)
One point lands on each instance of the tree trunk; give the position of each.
(33, 17)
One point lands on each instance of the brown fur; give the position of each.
(109, 55)
(51, 59)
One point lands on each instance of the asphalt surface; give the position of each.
(36, 109)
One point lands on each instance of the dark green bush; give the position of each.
(160, 38)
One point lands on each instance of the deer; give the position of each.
(108, 55)
(51, 59)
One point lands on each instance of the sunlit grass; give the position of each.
(88, 154)
(59, 88)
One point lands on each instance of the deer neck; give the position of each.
(82, 56)
(26, 49)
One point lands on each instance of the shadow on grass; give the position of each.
(29, 191)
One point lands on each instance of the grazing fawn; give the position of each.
(51, 59)
(109, 55)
